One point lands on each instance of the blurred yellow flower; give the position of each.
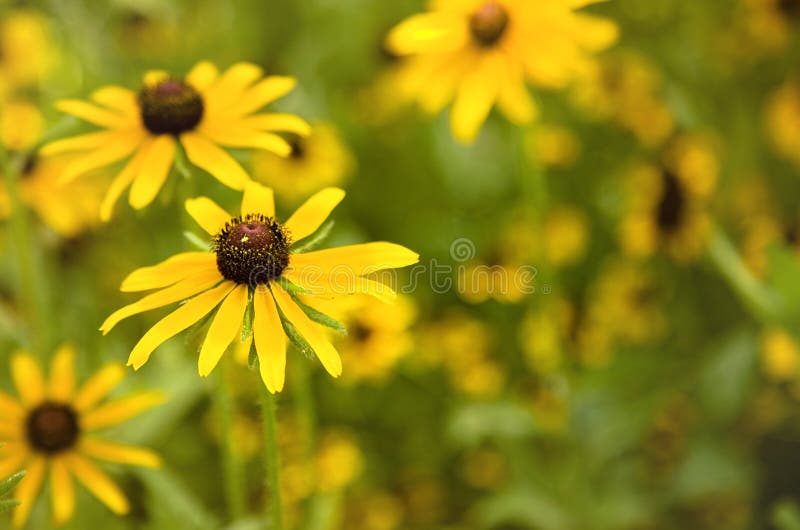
(316, 161)
(26, 50)
(782, 118)
(780, 355)
(202, 113)
(553, 146)
(485, 468)
(478, 53)
(21, 124)
(565, 235)
(339, 461)
(49, 431)
(253, 262)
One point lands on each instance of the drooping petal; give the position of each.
(120, 410)
(474, 99)
(123, 145)
(83, 142)
(175, 293)
(119, 453)
(258, 199)
(28, 489)
(270, 340)
(355, 260)
(123, 180)
(62, 374)
(207, 213)
(277, 122)
(153, 172)
(310, 331)
(62, 491)
(94, 114)
(169, 271)
(98, 386)
(98, 483)
(177, 321)
(238, 137)
(312, 213)
(118, 98)
(227, 322)
(27, 378)
(216, 161)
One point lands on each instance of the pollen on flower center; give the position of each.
(252, 249)
(488, 24)
(52, 427)
(672, 203)
(171, 106)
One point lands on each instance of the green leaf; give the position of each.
(247, 323)
(320, 317)
(252, 357)
(7, 504)
(196, 241)
(316, 239)
(11, 482)
(291, 287)
(295, 338)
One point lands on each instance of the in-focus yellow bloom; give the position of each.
(478, 53)
(256, 262)
(49, 431)
(203, 112)
(317, 161)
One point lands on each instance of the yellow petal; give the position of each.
(175, 293)
(238, 137)
(94, 114)
(333, 285)
(310, 331)
(83, 142)
(169, 271)
(62, 491)
(28, 489)
(123, 145)
(227, 322)
(10, 407)
(356, 260)
(428, 32)
(258, 199)
(270, 340)
(277, 122)
(263, 93)
(202, 75)
(117, 98)
(123, 180)
(208, 214)
(153, 172)
(119, 453)
(474, 100)
(98, 483)
(10, 430)
(62, 374)
(120, 410)
(177, 321)
(99, 385)
(310, 216)
(228, 88)
(27, 378)
(213, 159)
(153, 77)
(515, 101)
(12, 461)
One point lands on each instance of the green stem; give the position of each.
(306, 418)
(31, 284)
(232, 466)
(760, 300)
(271, 457)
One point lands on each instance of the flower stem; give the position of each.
(307, 420)
(232, 466)
(271, 457)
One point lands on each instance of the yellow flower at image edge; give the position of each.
(254, 261)
(480, 52)
(48, 431)
(203, 111)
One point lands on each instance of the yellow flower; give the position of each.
(26, 50)
(315, 162)
(667, 203)
(201, 112)
(49, 430)
(21, 124)
(783, 120)
(338, 461)
(565, 235)
(480, 52)
(780, 355)
(254, 262)
(553, 146)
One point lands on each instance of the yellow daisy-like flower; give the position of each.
(27, 53)
(255, 260)
(49, 430)
(480, 52)
(317, 161)
(203, 112)
(782, 117)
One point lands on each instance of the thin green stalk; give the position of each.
(271, 457)
(306, 417)
(232, 466)
(31, 285)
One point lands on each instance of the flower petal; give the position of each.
(27, 378)
(177, 321)
(10, 407)
(98, 386)
(227, 322)
(28, 489)
(153, 171)
(355, 260)
(270, 340)
(216, 161)
(117, 98)
(98, 483)
(119, 453)
(83, 142)
(62, 374)
(474, 100)
(169, 271)
(123, 180)
(263, 93)
(312, 213)
(94, 114)
(120, 410)
(280, 122)
(124, 144)
(310, 331)
(237, 136)
(258, 199)
(208, 214)
(228, 88)
(202, 75)
(62, 491)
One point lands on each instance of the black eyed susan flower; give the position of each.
(478, 53)
(203, 112)
(256, 260)
(49, 432)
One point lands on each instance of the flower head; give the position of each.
(49, 431)
(203, 112)
(256, 262)
(480, 52)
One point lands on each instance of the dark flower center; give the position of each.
(298, 147)
(52, 427)
(672, 203)
(790, 8)
(488, 24)
(171, 106)
(252, 249)
(360, 332)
